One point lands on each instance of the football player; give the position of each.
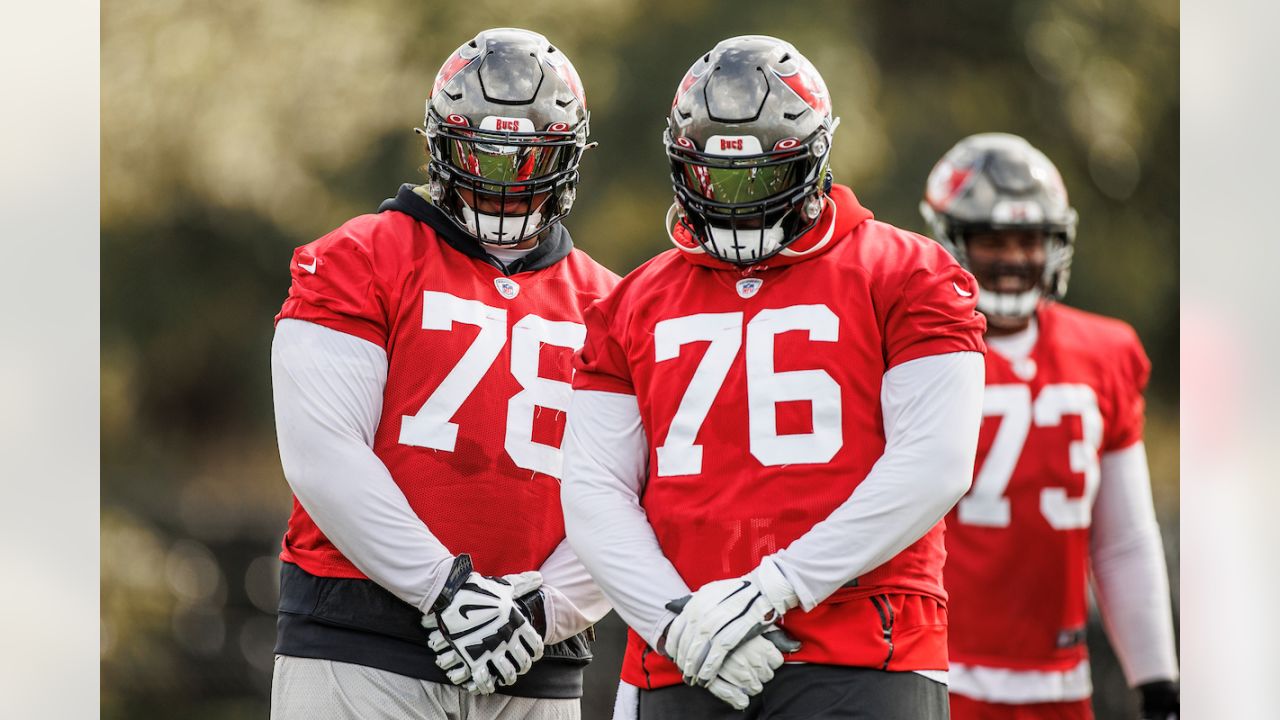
(1062, 486)
(421, 368)
(771, 419)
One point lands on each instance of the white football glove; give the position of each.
(745, 672)
(448, 659)
(486, 631)
(722, 615)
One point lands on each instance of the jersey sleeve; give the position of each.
(1133, 370)
(932, 313)
(336, 284)
(601, 364)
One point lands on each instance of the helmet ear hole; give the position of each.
(812, 207)
(566, 198)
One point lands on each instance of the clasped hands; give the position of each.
(482, 630)
(725, 636)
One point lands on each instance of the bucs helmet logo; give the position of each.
(568, 73)
(946, 183)
(698, 70)
(809, 85)
(452, 67)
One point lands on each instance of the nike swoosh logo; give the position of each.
(466, 610)
(309, 268)
(960, 292)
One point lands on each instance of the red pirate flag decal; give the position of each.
(946, 183)
(698, 70)
(460, 58)
(808, 84)
(568, 74)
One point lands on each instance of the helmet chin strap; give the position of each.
(1008, 306)
(497, 230)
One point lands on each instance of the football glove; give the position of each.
(1160, 700)
(724, 614)
(480, 620)
(448, 659)
(749, 667)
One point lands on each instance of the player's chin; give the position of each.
(1000, 322)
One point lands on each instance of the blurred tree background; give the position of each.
(235, 131)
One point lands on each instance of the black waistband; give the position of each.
(359, 622)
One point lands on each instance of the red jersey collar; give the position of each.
(840, 216)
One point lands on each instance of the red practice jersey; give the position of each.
(478, 380)
(1018, 542)
(759, 391)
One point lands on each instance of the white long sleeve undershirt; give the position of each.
(605, 466)
(1131, 580)
(328, 389)
(932, 411)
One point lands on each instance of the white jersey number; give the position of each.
(679, 455)
(432, 427)
(986, 503)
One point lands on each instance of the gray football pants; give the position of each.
(808, 692)
(309, 689)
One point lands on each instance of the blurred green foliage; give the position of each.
(233, 132)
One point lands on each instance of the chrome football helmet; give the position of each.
(749, 138)
(506, 125)
(996, 181)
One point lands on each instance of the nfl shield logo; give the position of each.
(749, 287)
(507, 287)
(1025, 369)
